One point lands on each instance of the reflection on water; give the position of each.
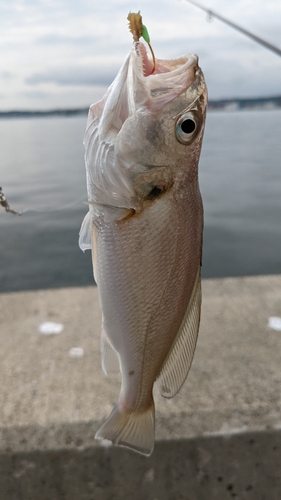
(42, 171)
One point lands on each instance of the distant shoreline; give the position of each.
(235, 104)
(39, 113)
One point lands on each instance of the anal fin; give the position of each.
(178, 362)
(109, 357)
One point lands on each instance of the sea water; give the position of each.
(42, 172)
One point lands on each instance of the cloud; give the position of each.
(6, 75)
(75, 75)
(56, 39)
(71, 49)
(35, 94)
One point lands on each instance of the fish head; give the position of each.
(147, 130)
(160, 140)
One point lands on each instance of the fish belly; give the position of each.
(146, 268)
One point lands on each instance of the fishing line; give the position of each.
(48, 209)
(59, 208)
(211, 14)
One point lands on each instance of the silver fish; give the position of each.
(144, 226)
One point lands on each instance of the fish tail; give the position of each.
(133, 430)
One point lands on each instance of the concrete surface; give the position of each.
(219, 438)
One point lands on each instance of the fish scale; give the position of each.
(139, 303)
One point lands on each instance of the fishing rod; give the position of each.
(256, 38)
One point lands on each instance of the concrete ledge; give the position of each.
(245, 466)
(225, 420)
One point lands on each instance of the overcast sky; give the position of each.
(64, 53)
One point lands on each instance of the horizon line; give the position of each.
(85, 109)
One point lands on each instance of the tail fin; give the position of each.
(133, 430)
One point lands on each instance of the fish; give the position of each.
(144, 227)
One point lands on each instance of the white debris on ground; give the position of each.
(50, 328)
(76, 352)
(275, 323)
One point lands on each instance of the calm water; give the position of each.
(42, 171)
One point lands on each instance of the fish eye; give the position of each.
(187, 127)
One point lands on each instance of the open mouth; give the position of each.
(163, 80)
(165, 66)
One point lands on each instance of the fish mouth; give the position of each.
(164, 81)
(178, 65)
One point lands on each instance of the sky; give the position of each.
(65, 53)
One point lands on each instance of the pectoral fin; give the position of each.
(179, 359)
(85, 233)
